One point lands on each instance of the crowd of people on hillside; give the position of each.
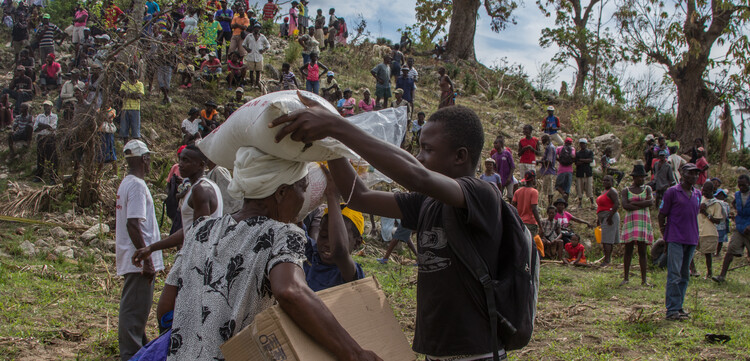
(242, 245)
(694, 213)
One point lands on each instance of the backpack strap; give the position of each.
(470, 257)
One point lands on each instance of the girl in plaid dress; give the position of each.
(636, 228)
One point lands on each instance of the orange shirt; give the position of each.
(244, 20)
(525, 197)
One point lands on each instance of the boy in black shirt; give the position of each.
(584, 173)
(450, 322)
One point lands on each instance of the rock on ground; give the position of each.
(28, 249)
(59, 233)
(609, 140)
(94, 231)
(64, 251)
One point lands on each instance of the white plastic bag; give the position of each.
(248, 126)
(316, 188)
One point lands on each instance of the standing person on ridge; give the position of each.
(551, 126)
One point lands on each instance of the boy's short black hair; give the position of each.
(463, 129)
(194, 148)
(421, 113)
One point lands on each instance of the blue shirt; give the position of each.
(408, 85)
(152, 7)
(742, 220)
(226, 26)
(340, 103)
(551, 122)
(682, 215)
(320, 276)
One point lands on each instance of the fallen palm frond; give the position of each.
(20, 200)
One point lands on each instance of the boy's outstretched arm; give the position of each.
(317, 122)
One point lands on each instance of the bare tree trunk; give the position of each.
(742, 131)
(463, 27)
(583, 72)
(695, 104)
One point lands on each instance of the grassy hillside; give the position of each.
(52, 307)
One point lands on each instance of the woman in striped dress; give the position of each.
(637, 229)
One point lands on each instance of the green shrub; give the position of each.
(292, 53)
(580, 119)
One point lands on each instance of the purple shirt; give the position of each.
(550, 156)
(682, 215)
(505, 165)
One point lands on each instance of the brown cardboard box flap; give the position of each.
(360, 307)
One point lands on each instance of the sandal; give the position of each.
(716, 338)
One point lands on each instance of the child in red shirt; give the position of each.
(576, 251)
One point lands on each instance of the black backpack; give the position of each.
(566, 155)
(511, 301)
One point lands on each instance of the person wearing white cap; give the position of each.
(584, 174)
(45, 125)
(551, 126)
(136, 227)
(330, 87)
(251, 260)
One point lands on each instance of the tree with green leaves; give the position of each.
(432, 17)
(681, 39)
(588, 49)
(463, 21)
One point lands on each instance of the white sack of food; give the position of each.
(316, 189)
(248, 126)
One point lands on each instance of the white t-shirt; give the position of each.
(50, 120)
(677, 162)
(134, 201)
(192, 127)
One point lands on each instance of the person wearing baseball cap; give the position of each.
(740, 239)
(490, 175)
(45, 126)
(663, 176)
(526, 200)
(584, 174)
(135, 227)
(551, 126)
(330, 87)
(406, 84)
(678, 222)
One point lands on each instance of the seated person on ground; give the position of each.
(552, 234)
(576, 251)
(191, 127)
(211, 68)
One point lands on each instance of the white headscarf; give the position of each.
(257, 175)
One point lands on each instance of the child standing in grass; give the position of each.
(489, 174)
(711, 214)
(723, 227)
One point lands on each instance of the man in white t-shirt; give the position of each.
(136, 227)
(191, 126)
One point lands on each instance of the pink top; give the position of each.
(80, 13)
(51, 70)
(313, 72)
(564, 219)
(349, 103)
(367, 107)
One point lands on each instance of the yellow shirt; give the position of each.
(705, 227)
(129, 103)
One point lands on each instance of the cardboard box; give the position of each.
(359, 306)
